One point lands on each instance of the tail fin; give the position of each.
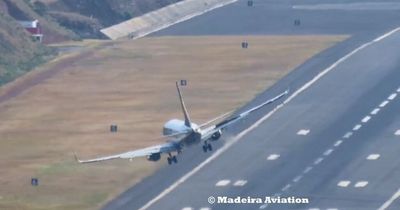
(186, 115)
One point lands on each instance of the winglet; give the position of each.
(76, 158)
(185, 113)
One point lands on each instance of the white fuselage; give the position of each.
(190, 135)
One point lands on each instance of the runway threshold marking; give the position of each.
(261, 120)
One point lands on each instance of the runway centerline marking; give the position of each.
(348, 135)
(258, 122)
(344, 183)
(392, 96)
(361, 184)
(397, 133)
(273, 156)
(303, 132)
(383, 104)
(187, 208)
(286, 187)
(223, 183)
(297, 178)
(373, 156)
(318, 161)
(328, 152)
(205, 208)
(308, 169)
(357, 127)
(366, 119)
(375, 111)
(338, 143)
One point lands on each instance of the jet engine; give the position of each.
(154, 157)
(215, 136)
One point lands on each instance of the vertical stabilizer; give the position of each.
(185, 114)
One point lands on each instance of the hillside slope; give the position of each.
(18, 52)
(87, 17)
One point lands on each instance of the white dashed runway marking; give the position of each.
(328, 152)
(383, 104)
(361, 184)
(392, 96)
(240, 183)
(286, 187)
(397, 133)
(308, 169)
(187, 208)
(356, 127)
(344, 183)
(348, 135)
(303, 132)
(273, 157)
(366, 119)
(205, 208)
(375, 111)
(318, 161)
(297, 178)
(373, 157)
(222, 183)
(337, 143)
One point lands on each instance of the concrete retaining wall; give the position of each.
(162, 18)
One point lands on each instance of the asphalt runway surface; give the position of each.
(335, 140)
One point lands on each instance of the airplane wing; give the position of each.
(162, 148)
(207, 132)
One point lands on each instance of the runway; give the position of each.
(335, 140)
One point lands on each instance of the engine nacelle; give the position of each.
(154, 157)
(215, 136)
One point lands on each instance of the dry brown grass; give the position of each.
(130, 84)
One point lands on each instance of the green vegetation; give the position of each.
(18, 52)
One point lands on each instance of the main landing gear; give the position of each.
(207, 147)
(171, 159)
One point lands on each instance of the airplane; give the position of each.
(185, 133)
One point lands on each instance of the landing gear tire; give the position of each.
(174, 159)
(205, 148)
(169, 160)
